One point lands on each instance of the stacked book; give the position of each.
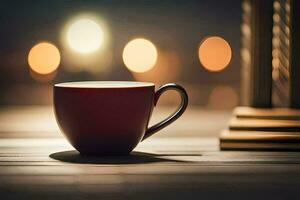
(262, 129)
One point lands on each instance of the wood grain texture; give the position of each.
(162, 167)
(187, 167)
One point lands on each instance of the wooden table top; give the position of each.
(182, 161)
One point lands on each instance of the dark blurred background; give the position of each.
(177, 28)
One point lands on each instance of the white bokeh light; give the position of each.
(139, 55)
(85, 36)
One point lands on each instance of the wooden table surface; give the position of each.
(182, 161)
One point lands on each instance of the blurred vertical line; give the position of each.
(295, 54)
(281, 47)
(257, 72)
(245, 52)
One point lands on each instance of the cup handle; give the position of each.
(179, 111)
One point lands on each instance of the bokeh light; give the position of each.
(85, 36)
(44, 58)
(214, 53)
(139, 55)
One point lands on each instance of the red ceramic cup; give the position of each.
(110, 117)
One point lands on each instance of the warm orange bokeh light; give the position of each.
(214, 53)
(44, 58)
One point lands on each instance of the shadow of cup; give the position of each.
(74, 156)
